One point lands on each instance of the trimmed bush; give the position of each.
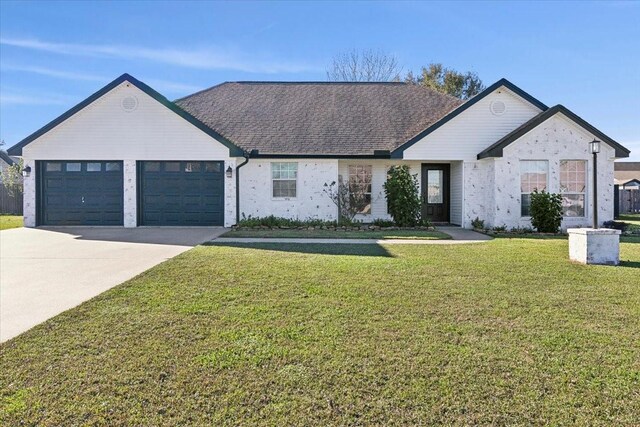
(403, 196)
(275, 222)
(546, 211)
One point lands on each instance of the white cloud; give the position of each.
(202, 58)
(158, 84)
(55, 73)
(23, 99)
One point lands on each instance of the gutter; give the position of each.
(246, 156)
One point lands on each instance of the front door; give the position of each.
(435, 192)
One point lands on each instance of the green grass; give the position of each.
(10, 221)
(630, 218)
(331, 234)
(507, 332)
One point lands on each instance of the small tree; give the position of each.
(350, 198)
(12, 178)
(448, 80)
(403, 196)
(546, 211)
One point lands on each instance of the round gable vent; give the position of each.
(498, 107)
(129, 103)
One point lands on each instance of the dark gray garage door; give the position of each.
(181, 193)
(80, 193)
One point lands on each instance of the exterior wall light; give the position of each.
(595, 149)
(26, 172)
(229, 172)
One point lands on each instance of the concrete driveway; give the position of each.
(44, 272)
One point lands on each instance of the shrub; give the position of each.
(478, 223)
(425, 222)
(403, 196)
(500, 228)
(275, 222)
(522, 230)
(350, 198)
(546, 211)
(383, 222)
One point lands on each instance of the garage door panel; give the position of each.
(181, 193)
(81, 193)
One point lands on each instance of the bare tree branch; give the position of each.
(364, 66)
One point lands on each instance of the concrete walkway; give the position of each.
(44, 272)
(458, 236)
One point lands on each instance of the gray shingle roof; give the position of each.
(318, 118)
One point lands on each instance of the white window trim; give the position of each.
(271, 179)
(587, 172)
(520, 181)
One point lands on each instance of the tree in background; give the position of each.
(364, 66)
(448, 80)
(377, 66)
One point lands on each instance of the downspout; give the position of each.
(246, 156)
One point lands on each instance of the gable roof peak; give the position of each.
(496, 149)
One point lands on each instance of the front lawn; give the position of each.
(506, 332)
(10, 221)
(338, 234)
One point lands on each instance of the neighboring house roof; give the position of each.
(318, 118)
(5, 157)
(626, 171)
(16, 150)
(397, 153)
(623, 182)
(495, 150)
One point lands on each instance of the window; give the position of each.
(360, 179)
(435, 189)
(284, 177)
(172, 166)
(533, 176)
(573, 179)
(212, 167)
(54, 167)
(112, 167)
(152, 166)
(74, 167)
(192, 167)
(94, 167)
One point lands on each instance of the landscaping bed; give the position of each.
(277, 227)
(364, 232)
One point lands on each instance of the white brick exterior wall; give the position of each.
(492, 186)
(257, 198)
(29, 195)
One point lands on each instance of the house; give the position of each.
(627, 175)
(627, 182)
(128, 156)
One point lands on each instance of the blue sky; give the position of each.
(585, 56)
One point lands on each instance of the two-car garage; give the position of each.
(169, 193)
